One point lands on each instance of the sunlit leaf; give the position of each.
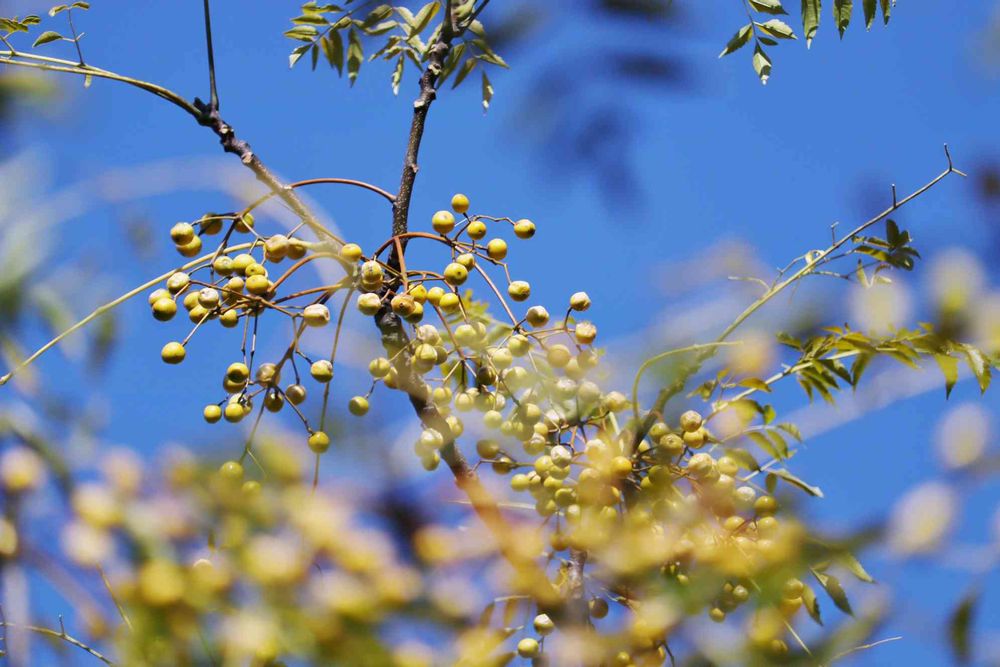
(738, 40)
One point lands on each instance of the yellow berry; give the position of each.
(164, 309)
(173, 353)
(351, 252)
(496, 249)
(537, 316)
(358, 406)
(258, 284)
(579, 301)
(322, 370)
(319, 442)
(519, 290)
(244, 223)
(316, 315)
(295, 393)
(528, 648)
(212, 413)
(276, 247)
(191, 248)
(231, 470)
(238, 372)
(524, 229)
(476, 230)
(443, 222)
(182, 233)
(460, 203)
(449, 302)
(234, 412)
(369, 304)
(210, 223)
(691, 420)
(455, 274)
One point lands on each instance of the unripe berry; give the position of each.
(621, 466)
(358, 406)
(295, 393)
(157, 294)
(322, 370)
(403, 305)
(580, 301)
(528, 648)
(476, 230)
(455, 274)
(241, 262)
(229, 318)
(276, 247)
(208, 298)
(443, 222)
(585, 333)
(173, 353)
(182, 233)
(519, 290)
(701, 466)
(177, 282)
(212, 413)
(231, 470)
(418, 292)
(519, 345)
(190, 300)
(223, 265)
(319, 442)
(255, 269)
(296, 248)
(244, 223)
(371, 275)
(164, 309)
(316, 315)
(543, 624)
(234, 412)
(537, 316)
(691, 420)
(268, 374)
(210, 223)
(369, 304)
(258, 285)
(487, 449)
(351, 252)
(558, 355)
(379, 367)
(273, 400)
(449, 302)
(696, 439)
(237, 372)
(598, 607)
(191, 248)
(234, 288)
(198, 314)
(460, 203)
(434, 295)
(496, 249)
(524, 229)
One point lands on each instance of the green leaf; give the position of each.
(380, 13)
(57, 9)
(842, 14)
(297, 53)
(302, 33)
(310, 19)
(738, 40)
(333, 49)
(831, 585)
(397, 74)
(743, 458)
(756, 384)
(869, 6)
(854, 566)
(886, 9)
(791, 429)
(949, 367)
(768, 6)
(960, 626)
(795, 481)
(777, 28)
(80, 5)
(46, 37)
(811, 603)
(810, 19)
(487, 92)
(464, 71)
(762, 441)
(978, 366)
(423, 17)
(355, 55)
(761, 64)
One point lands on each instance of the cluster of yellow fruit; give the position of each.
(637, 502)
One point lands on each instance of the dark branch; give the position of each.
(214, 99)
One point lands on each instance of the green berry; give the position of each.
(173, 353)
(358, 406)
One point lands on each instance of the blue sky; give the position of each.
(720, 158)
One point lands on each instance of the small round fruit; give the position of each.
(519, 290)
(322, 370)
(524, 229)
(691, 421)
(244, 223)
(268, 374)
(242, 261)
(177, 282)
(258, 285)
(234, 412)
(316, 315)
(231, 470)
(466, 259)
(369, 304)
(449, 302)
(455, 274)
(496, 249)
(296, 248)
(476, 230)
(598, 607)
(191, 248)
(443, 222)
(208, 298)
(223, 265)
(528, 648)
(358, 406)
(164, 309)
(237, 372)
(182, 233)
(319, 442)
(157, 294)
(210, 223)
(580, 301)
(276, 247)
(585, 332)
(543, 624)
(537, 316)
(351, 252)
(273, 400)
(295, 393)
(212, 413)
(459, 203)
(173, 353)
(229, 318)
